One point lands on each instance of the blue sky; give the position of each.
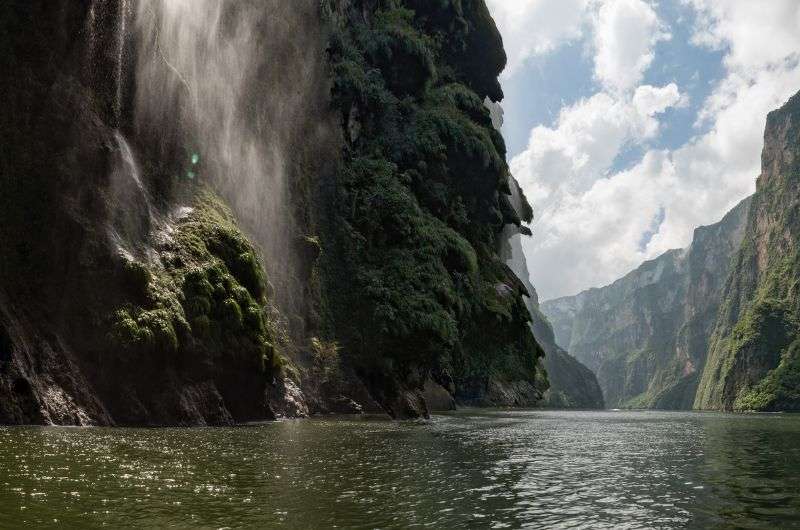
(631, 122)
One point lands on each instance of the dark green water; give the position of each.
(472, 469)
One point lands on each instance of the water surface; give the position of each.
(471, 469)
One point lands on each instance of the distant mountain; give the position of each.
(645, 335)
(715, 326)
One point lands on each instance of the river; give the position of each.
(469, 469)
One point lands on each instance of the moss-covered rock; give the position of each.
(207, 292)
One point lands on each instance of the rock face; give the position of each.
(412, 283)
(569, 383)
(754, 355)
(646, 335)
(129, 292)
(218, 212)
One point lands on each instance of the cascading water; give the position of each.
(239, 93)
(132, 213)
(108, 43)
(122, 36)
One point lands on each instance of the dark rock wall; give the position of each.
(127, 296)
(139, 281)
(413, 285)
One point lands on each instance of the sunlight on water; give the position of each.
(467, 470)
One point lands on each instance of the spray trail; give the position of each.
(235, 87)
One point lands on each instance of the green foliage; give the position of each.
(210, 231)
(779, 390)
(327, 365)
(763, 325)
(208, 299)
(148, 331)
(410, 270)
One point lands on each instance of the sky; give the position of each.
(629, 123)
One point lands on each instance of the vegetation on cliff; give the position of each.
(127, 295)
(205, 296)
(753, 360)
(413, 283)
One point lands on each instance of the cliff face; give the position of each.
(413, 287)
(646, 335)
(209, 219)
(754, 356)
(131, 292)
(568, 384)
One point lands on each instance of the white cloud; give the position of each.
(761, 39)
(757, 33)
(649, 100)
(587, 138)
(590, 220)
(587, 222)
(626, 32)
(592, 233)
(536, 27)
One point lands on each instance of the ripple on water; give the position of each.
(471, 469)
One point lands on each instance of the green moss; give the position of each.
(137, 276)
(145, 331)
(779, 390)
(206, 298)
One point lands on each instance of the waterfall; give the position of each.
(236, 86)
(132, 215)
(108, 36)
(122, 35)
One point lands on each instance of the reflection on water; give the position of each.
(471, 469)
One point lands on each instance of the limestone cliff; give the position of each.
(754, 355)
(568, 384)
(645, 335)
(413, 287)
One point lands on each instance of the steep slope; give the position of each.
(754, 357)
(132, 283)
(211, 204)
(413, 287)
(645, 335)
(569, 383)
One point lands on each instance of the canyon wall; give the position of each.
(645, 335)
(754, 355)
(220, 212)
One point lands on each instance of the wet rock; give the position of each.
(437, 397)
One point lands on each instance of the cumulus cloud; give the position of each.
(589, 234)
(587, 138)
(535, 27)
(593, 224)
(626, 33)
(756, 33)
(761, 42)
(588, 222)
